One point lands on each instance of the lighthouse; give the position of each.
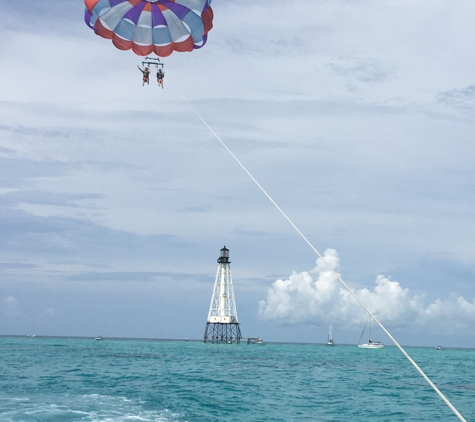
(222, 325)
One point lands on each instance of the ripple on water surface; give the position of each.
(129, 380)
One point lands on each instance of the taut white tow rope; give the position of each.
(441, 395)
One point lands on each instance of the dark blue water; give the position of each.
(60, 379)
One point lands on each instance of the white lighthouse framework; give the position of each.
(222, 325)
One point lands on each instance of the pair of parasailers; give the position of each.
(146, 76)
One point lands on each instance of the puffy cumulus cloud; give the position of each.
(302, 298)
(454, 314)
(310, 297)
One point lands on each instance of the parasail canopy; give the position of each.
(151, 26)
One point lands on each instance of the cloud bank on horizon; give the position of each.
(310, 297)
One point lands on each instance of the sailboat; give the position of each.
(330, 335)
(371, 343)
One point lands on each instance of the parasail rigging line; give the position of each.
(421, 372)
(362, 332)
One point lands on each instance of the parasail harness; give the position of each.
(152, 61)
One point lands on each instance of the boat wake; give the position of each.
(85, 408)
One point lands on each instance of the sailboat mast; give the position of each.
(370, 329)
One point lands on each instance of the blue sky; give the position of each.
(357, 117)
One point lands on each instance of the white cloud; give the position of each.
(311, 297)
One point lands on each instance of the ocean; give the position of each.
(78, 379)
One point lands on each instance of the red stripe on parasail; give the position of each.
(90, 4)
(120, 43)
(207, 17)
(102, 30)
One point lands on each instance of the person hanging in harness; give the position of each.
(146, 75)
(160, 76)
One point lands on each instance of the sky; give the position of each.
(356, 116)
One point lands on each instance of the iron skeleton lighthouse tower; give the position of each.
(222, 325)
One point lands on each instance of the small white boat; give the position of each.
(439, 347)
(98, 338)
(259, 341)
(371, 343)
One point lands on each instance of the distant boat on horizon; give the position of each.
(330, 335)
(255, 340)
(98, 338)
(371, 343)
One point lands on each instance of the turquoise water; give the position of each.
(61, 379)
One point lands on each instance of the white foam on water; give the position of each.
(85, 408)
